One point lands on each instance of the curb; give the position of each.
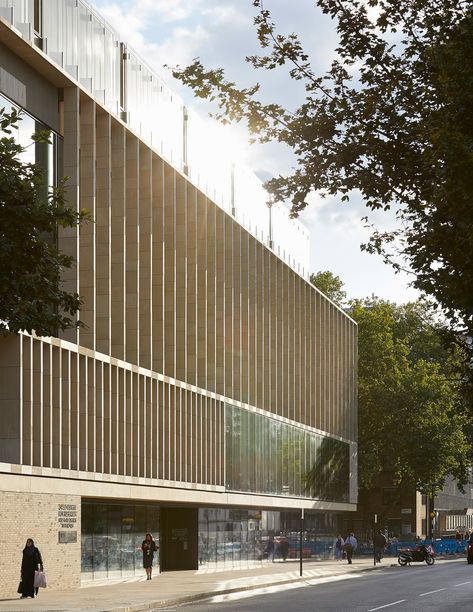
(203, 596)
(177, 601)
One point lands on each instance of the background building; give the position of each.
(210, 378)
(405, 513)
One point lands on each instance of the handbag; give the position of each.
(20, 587)
(40, 580)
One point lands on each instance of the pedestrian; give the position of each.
(339, 543)
(458, 535)
(270, 550)
(350, 546)
(30, 562)
(283, 549)
(149, 547)
(379, 542)
(203, 549)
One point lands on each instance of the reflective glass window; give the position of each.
(111, 538)
(264, 455)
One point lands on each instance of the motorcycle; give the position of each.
(421, 553)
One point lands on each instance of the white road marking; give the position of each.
(430, 592)
(462, 583)
(394, 603)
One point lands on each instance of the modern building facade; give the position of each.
(212, 393)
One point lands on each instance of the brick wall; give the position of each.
(41, 517)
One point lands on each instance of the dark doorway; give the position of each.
(179, 539)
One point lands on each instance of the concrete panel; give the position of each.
(28, 89)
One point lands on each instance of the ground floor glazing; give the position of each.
(194, 538)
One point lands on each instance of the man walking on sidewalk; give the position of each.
(350, 546)
(379, 542)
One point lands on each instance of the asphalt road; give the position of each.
(446, 586)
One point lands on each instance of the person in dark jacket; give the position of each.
(149, 547)
(270, 548)
(283, 549)
(339, 542)
(350, 546)
(379, 542)
(31, 562)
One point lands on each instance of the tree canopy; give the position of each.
(390, 119)
(330, 285)
(413, 416)
(31, 264)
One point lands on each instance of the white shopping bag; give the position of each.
(40, 579)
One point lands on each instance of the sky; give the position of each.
(221, 33)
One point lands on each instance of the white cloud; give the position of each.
(142, 10)
(182, 46)
(171, 10)
(224, 14)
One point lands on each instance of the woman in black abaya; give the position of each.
(31, 562)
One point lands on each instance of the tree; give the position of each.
(413, 415)
(390, 119)
(330, 285)
(413, 418)
(30, 261)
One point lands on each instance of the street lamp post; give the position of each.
(300, 541)
(375, 523)
(430, 515)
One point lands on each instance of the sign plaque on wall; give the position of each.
(67, 516)
(67, 537)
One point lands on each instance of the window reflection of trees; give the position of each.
(265, 455)
(328, 477)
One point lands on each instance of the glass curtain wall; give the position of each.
(244, 538)
(231, 537)
(111, 538)
(264, 455)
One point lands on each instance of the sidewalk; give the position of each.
(173, 588)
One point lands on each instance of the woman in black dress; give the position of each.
(149, 547)
(31, 562)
